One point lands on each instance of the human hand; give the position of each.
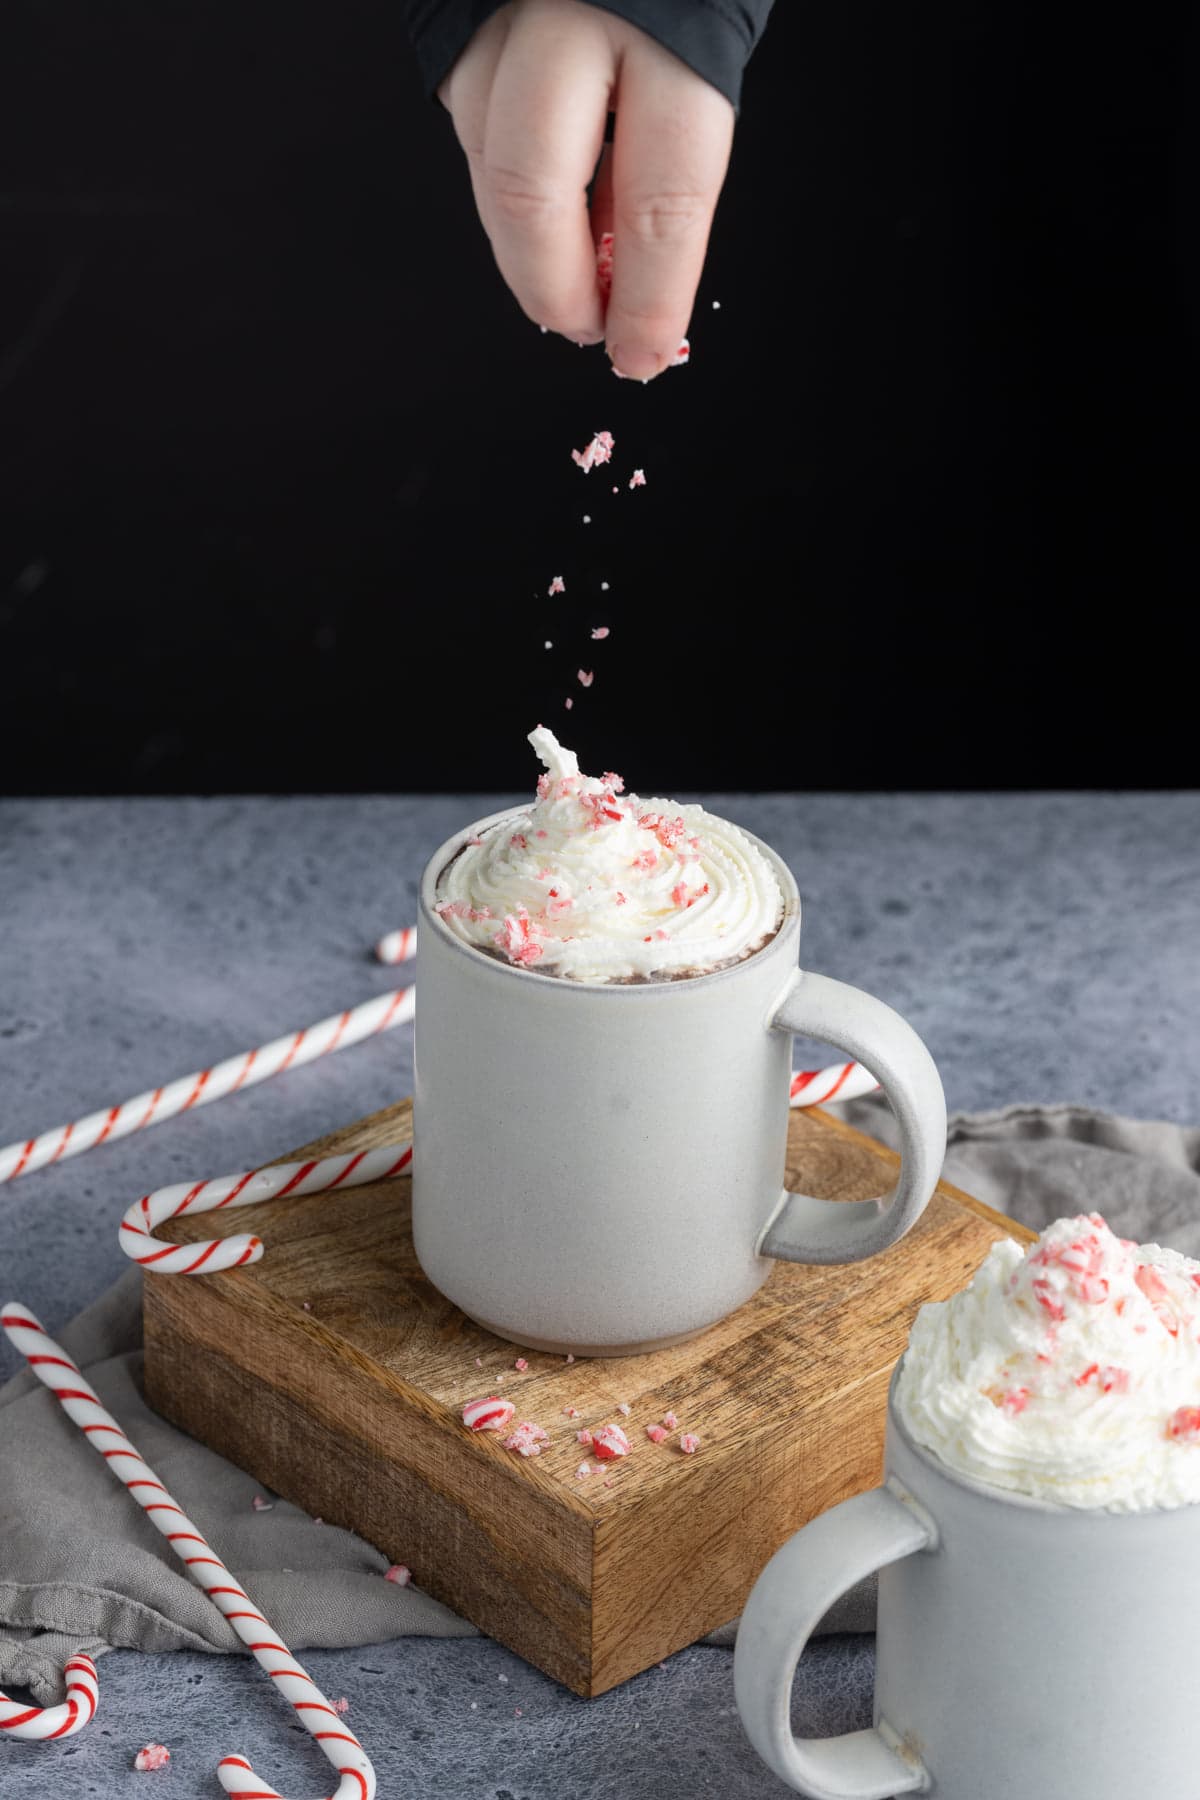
(529, 97)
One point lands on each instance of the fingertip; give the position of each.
(633, 362)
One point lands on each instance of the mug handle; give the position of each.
(803, 1229)
(794, 1591)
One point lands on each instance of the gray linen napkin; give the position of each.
(82, 1568)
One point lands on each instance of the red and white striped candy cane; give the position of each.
(810, 1087)
(840, 1081)
(82, 1405)
(247, 1189)
(397, 946)
(42, 1722)
(337, 1032)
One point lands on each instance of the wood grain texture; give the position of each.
(335, 1373)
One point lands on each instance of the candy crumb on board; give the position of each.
(260, 1505)
(521, 1364)
(152, 1756)
(657, 1433)
(400, 1573)
(583, 1470)
(488, 1414)
(670, 1421)
(625, 1408)
(583, 1437)
(526, 1439)
(689, 1443)
(570, 1356)
(609, 1442)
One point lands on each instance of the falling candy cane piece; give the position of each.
(152, 1756)
(249, 1188)
(42, 1722)
(82, 1406)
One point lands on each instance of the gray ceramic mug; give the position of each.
(599, 1168)
(1025, 1651)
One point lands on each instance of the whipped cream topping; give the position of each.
(1069, 1371)
(597, 885)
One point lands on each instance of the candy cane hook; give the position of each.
(41, 1722)
(247, 1189)
(54, 1368)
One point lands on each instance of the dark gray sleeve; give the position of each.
(714, 37)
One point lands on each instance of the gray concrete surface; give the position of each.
(1046, 946)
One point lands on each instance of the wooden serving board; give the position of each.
(335, 1373)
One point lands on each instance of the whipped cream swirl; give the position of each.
(1069, 1372)
(597, 885)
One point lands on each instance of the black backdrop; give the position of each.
(284, 474)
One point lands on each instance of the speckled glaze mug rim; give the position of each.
(988, 1491)
(429, 920)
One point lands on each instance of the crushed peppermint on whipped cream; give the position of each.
(1068, 1372)
(597, 885)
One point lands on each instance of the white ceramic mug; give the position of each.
(1025, 1650)
(599, 1168)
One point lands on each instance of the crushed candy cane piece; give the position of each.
(689, 1443)
(488, 1414)
(670, 1421)
(598, 452)
(585, 677)
(568, 703)
(400, 1573)
(583, 1470)
(261, 1505)
(342, 1705)
(520, 1363)
(518, 938)
(638, 478)
(657, 1433)
(527, 1439)
(152, 1756)
(583, 1437)
(680, 356)
(557, 586)
(600, 631)
(572, 1412)
(570, 1356)
(625, 1408)
(1184, 1425)
(609, 1442)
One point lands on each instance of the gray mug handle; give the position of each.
(794, 1591)
(803, 1229)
